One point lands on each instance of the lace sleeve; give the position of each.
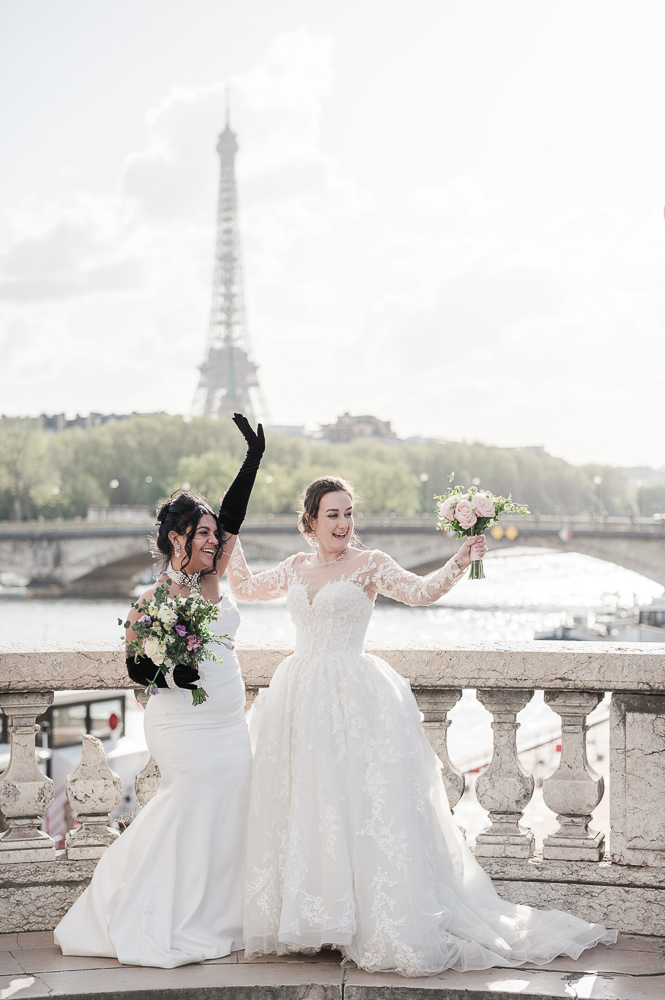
(388, 578)
(250, 586)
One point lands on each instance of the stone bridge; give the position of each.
(106, 559)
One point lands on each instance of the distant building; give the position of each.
(58, 421)
(291, 430)
(348, 428)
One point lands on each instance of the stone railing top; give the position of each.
(45, 666)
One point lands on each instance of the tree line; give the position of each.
(140, 461)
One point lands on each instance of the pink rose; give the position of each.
(483, 505)
(447, 508)
(464, 513)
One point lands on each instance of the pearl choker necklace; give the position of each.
(184, 579)
(330, 562)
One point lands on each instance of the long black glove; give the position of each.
(142, 670)
(234, 505)
(185, 677)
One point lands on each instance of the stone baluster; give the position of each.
(574, 790)
(25, 793)
(147, 782)
(148, 778)
(435, 704)
(93, 790)
(505, 788)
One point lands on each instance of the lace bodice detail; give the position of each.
(376, 573)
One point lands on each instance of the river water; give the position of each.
(524, 591)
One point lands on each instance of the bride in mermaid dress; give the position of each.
(169, 890)
(350, 841)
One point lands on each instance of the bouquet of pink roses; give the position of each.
(472, 512)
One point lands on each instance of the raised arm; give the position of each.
(250, 586)
(233, 507)
(389, 579)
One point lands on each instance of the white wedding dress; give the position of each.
(169, 890)
(350, 839)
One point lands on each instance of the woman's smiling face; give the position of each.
(333, 526)
(204, 545)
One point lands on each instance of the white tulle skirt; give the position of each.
(169, 891)
(351, 841)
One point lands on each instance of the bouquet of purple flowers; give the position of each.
(175, 630)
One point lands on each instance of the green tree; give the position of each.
(27, 478)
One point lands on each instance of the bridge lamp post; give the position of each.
(597, 481)
(268, 479)
(424, 479)
(639, 485)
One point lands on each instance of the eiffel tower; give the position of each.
(228, 381)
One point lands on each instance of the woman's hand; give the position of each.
(256, 442)
(185, 677)
(473, 547)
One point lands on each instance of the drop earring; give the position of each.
(176, 549)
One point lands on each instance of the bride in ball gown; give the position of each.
(350, 841)
(169, 890)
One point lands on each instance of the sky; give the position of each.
(451, 214)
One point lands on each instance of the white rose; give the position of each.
(483, 505)
(168, 616)
(155, 650)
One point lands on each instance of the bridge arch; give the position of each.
(103, 560)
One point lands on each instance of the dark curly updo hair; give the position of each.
(310, 499)
(181, 512)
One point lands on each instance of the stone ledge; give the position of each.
(48, 873)
(600, 873)
(628, 909)
(627, 899)
(34, 897)
(45, 666)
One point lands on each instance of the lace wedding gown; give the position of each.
(350, 840)
(169, 890)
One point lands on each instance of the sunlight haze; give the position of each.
(451, 215)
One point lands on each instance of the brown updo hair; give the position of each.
(181, 512)
(310, 499)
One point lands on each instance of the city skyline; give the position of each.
(471, 248)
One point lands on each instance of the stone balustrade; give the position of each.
(626, 890)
